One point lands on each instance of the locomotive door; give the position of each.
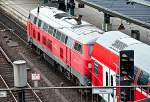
(70, 43)
(68, 56)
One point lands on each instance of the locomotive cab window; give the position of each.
(78, 47)
(96, 67)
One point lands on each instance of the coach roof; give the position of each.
(116, 41)
(85, 33)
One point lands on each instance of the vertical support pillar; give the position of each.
(61, 5)
(106, 25)
(45, 1)
(71, 7)
(21, 96)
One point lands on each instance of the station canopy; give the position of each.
(133, 11)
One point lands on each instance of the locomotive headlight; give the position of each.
(89, 65)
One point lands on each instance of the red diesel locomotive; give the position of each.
(59, 37)
(83, 52)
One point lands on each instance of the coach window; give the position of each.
(106, 78)
(143, 78)
(78, 47)
(96, 67)
(50, 30)
(35, 20)
(63, 38)
(39, 23)
(70, 42)
(45, 27)
(58, 35)
(112, 80)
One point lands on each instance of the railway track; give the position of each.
(7, 80)
(36, 63)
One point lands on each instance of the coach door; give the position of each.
(109, 79)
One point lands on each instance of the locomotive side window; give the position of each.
(143, 78)
(58, 35)
(45, 27)
(63, 38)
(66, 39)
(78, 47)
(54, 33)
(96, 67)
(35, 20)
(39, 23)
(50, 30)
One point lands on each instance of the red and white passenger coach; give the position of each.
(105, 59)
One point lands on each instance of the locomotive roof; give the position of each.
(117, 41)
(85, 33)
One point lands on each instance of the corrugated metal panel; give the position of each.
(137, 13)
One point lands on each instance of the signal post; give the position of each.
(126, 75)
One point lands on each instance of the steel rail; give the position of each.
(8, 59)
(3, 53)
(8, 88)
(10, 10)
(34, 93)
